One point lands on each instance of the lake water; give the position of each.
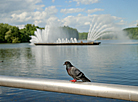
(112, 62)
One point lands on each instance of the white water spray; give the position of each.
(48, 35)
(100, 27)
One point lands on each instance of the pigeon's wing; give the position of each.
(77, 74)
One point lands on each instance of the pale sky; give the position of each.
(74, 13)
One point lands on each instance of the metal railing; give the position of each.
(81, 88)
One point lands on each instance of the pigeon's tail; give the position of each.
(85, 79)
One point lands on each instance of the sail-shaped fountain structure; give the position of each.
(98, 28)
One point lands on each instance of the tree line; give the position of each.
(83, 35)
(12, 34)
(132, 33)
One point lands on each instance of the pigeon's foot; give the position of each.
(74, 80)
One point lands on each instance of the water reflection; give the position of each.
(16, 61)
(104, 63)
(51, 55)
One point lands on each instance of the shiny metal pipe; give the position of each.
(81, 88)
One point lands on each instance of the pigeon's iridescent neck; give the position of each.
(68, 66)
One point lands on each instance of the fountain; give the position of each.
(99, 27)
(42, 37)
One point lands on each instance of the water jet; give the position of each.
(100, 27)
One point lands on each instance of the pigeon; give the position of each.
(75, 73)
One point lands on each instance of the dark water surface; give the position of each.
(112, 62)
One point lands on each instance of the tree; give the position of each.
(3, 30)
(15, 40)
(13, 35)
(26, 32)
(8, 36)
(83, 35)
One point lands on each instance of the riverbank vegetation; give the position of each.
(12, 34)
(132, 33)
(83, 35)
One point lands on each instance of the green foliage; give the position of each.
(132, 32)
(8, 33)
(3, 29)
(71, 32)
(15, 40)
(8, 36)
(12, 34)
(83, 35)
(26, 32)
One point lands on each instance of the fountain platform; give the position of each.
(81, 43)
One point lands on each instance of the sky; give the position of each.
(77, 14)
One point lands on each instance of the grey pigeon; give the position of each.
(75, 73)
